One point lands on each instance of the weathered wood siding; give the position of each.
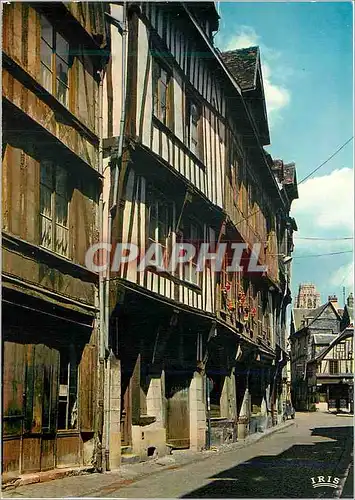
(21, 43)
(21, 208)
(135, 225)
(188, 71)
(31, 440)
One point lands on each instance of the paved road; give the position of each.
(278, 466)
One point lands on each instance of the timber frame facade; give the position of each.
(123, 123)
(198, 350)
(330, 374)
(52, 179)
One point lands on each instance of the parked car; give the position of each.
(289, 411)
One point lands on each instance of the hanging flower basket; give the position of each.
(231, 305)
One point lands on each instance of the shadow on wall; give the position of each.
(287, 475)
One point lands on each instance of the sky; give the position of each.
(307, 66)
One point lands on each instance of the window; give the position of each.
(54, 62)
(160, 223)
(193, 235)
(194, 128)
(68, 390)
(333, 367)
(162, 94)
(234, 172)
(54, 208)
(340, 351)
(245, 189)
(252, 205)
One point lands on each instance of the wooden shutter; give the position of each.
(55, 367)
(41, 395)
(13, 387)
(87, 388)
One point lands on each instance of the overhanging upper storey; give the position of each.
(244, 65)
(207, 16)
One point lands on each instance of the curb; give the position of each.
(53, 474)
(252, 438)
(343, 468)
(43, 477)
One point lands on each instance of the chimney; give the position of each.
(332, 298)
(350, 300)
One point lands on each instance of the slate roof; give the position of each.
(299, 314)
(242, 63)
(323, 338)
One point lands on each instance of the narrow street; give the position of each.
(280, 466)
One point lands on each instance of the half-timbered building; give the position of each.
(186, 162)
(330, 374)
(123, 124)
(53, 60)
(312, 330)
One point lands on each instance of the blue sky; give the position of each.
(306, 52)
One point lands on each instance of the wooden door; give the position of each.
(30, 393)
(178, 412)
(13, 384)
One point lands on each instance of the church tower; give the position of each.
(308, 297)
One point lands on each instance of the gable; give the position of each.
(340, 350)
(327, 319)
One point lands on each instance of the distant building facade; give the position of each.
(312, 331)
(308, 297)
(330, 374)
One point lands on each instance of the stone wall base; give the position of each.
(9, 482)
(148, 441)
(223, 431)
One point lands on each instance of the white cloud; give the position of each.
(344, 276)
(245, 37)
(326, 204)
(277, 96)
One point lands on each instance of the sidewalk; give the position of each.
(127, 474)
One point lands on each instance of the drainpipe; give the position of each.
(102, 326)
(208, 413)
(122, 27)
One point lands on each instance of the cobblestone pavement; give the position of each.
(280, 465)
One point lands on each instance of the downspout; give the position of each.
(112, 212)
(102, 329)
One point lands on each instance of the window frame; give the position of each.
(72, 371)
(168, 117)
(340, 351)
(52, 218)
(198, 148)
(333, 366)
(52, 45)
(188, 267)
(157, 200)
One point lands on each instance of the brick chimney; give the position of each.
(350, 300)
